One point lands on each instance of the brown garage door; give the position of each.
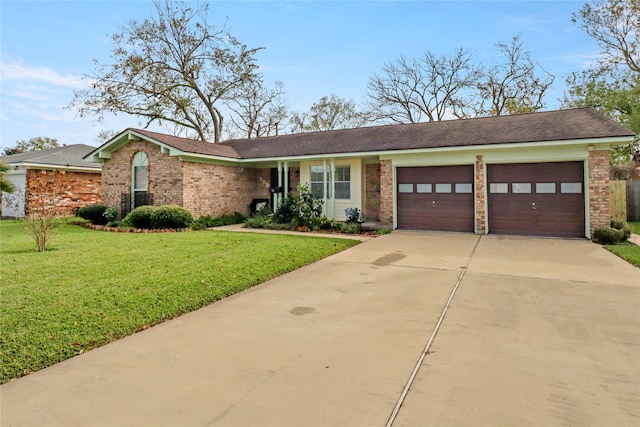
(537, 199)
(435, 198)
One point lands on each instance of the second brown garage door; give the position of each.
(435, 198)
(537, 199)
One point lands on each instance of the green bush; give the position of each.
(110, 215)
(608, 236)
(209, 221)
(300, 210)
(140, 217)
(94, 214)
(622, 226)
(171, 216)
(350, 228)
(259, 220)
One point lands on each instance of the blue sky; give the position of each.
(314, 48)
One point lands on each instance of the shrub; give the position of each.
(259, 220)
(110, 215)
(622, 226)
(329, 224)
(95, 214)
(140, 217)
(384, 231)
(300, 210)
(209, 221)
(350, 228)
(171, 216)
(608, 236)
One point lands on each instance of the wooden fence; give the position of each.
(625, 200)
(618, 190)
(633, 200)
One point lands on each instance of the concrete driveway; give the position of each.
(408, 329)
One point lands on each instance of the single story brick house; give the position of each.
(543, 174)
(80, 185)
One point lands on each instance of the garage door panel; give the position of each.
(435, 198)
(537, 199)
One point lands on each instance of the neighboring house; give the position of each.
(79, 185)
(541, 174)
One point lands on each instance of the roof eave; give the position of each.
(69, 168)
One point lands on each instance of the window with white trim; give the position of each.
(317, 178)
(342, 182)
(140, 172)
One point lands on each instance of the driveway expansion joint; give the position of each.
(427, 347)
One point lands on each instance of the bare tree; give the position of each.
(517, 85)
(33, 144)
(105, 135)
(259, 111)
(426, 89)
(615, 26)
(43, 218)
(613, 84)
(175, 67)
(330, 112)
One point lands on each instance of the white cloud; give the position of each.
(15, 71)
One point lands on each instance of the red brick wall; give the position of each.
(211, 189)
(481, 215)
(386, 193)
(599, 196)
(165, 175)
(68, 190)
(372, 192)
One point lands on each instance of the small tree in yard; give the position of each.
(43, 218)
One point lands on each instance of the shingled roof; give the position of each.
(65, 156)
(562, 125)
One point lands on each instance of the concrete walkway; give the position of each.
(537, 332)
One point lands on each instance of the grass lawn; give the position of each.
(627, 251)
(94, 287)
(635, 227)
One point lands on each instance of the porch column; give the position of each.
(286, 179)
(332, 177)
(325, 186)
(276, 196)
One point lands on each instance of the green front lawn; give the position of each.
(627, 251)
(94, 287)
(635, 227)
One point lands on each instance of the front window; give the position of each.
(140, 180)
(343, 182)
(140, 172)
(318, 178)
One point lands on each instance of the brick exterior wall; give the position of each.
(386, 193)
(481, 203)
(599, 196)
(165, 175)
(73, 190)
(211, 189)
(372, 192)
(202, 188)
